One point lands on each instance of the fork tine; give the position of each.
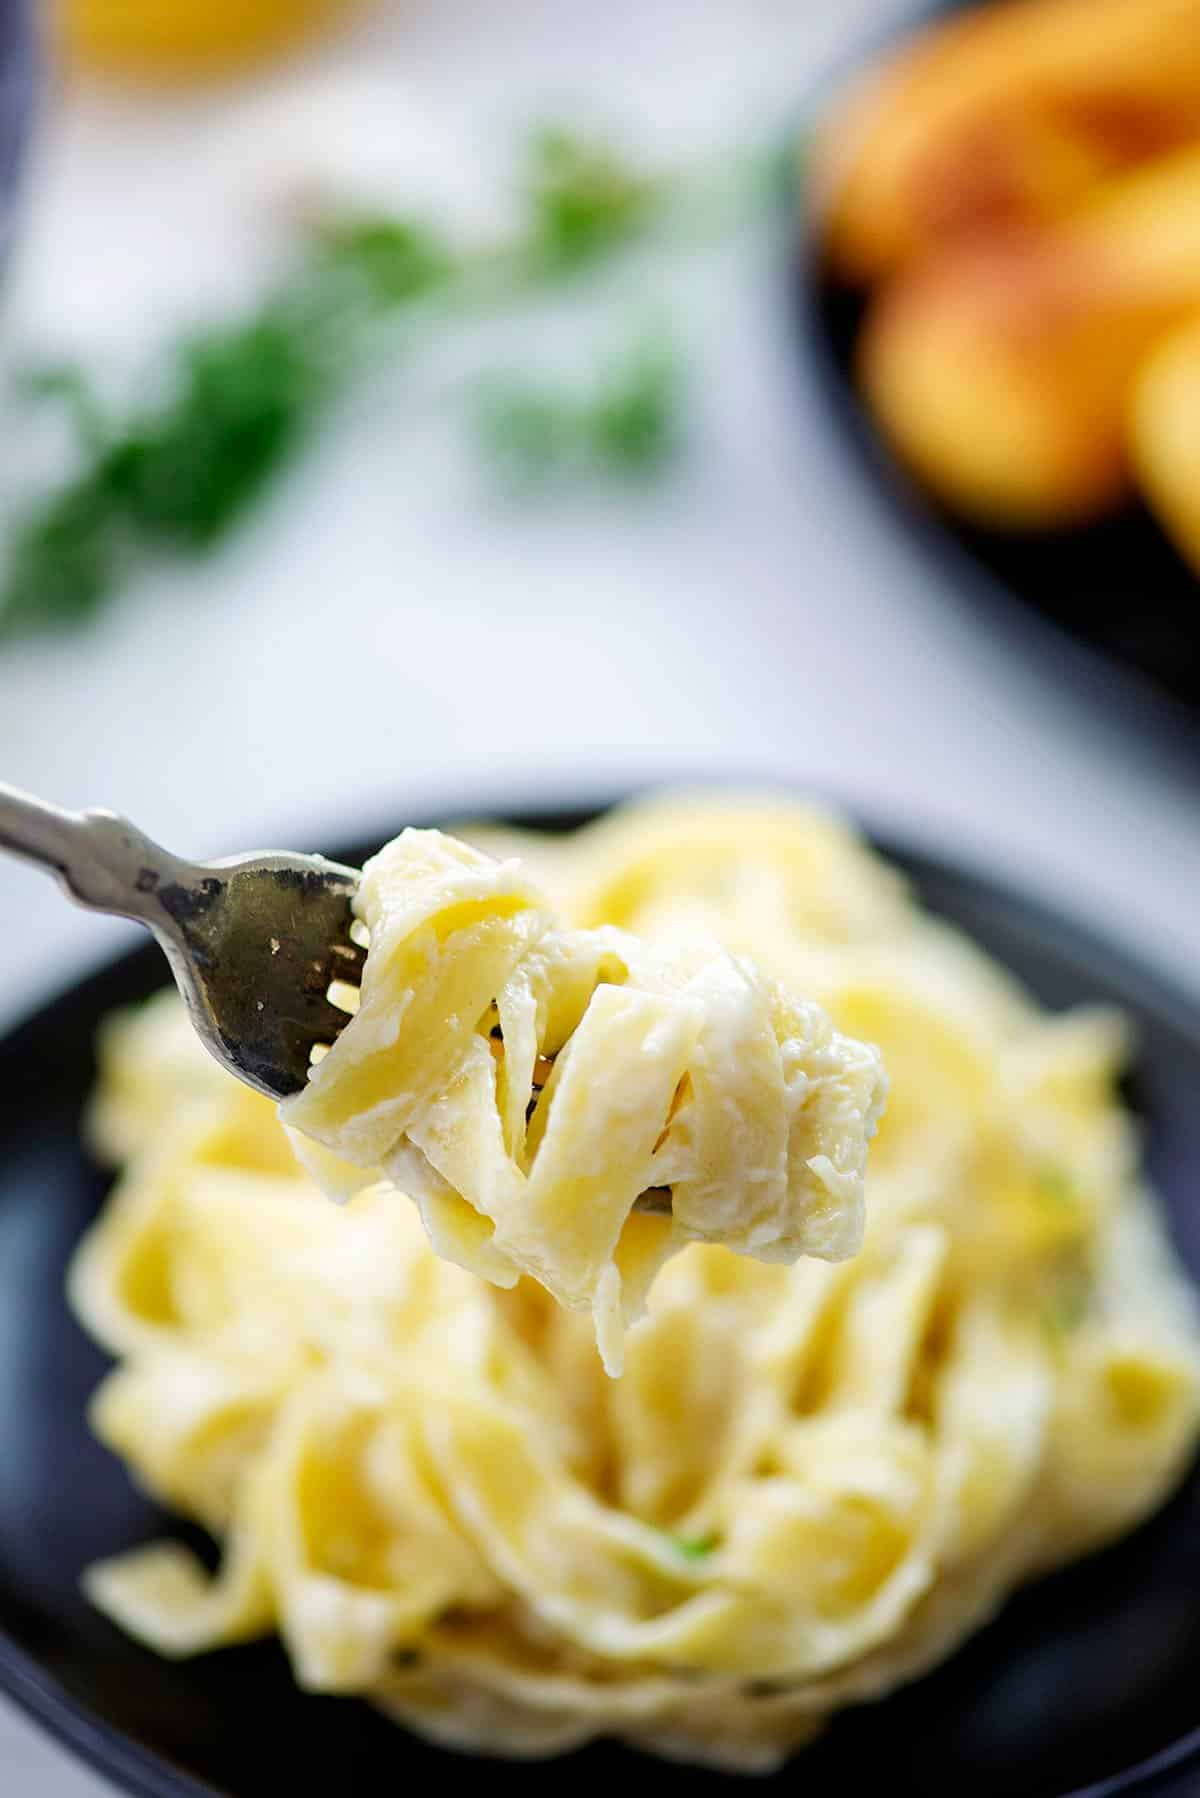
(257, 959)
(349, 957)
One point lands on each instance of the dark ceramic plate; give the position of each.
(1085, 1684)
(1112, 605)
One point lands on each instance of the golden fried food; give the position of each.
(999, 370)
(1004, 117)
(1164, 436)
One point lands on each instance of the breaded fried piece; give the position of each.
(1003, 117)
(1164, 436)
(999, 371)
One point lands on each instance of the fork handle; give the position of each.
(101, 859)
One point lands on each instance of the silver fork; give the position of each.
(255, 942)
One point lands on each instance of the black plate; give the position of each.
(1086, 1682)
(1116, 593)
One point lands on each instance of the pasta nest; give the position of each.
(811, 1481)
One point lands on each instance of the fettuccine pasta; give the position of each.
(812, 1480)
(530, 1084)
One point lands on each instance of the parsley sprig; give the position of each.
(234, 403)
(584, 200)
(626, 420)
(236, 400)
(696, 1548)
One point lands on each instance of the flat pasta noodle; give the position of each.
(528, 1082)
(811, 1482)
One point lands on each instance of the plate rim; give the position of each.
(142, 1771)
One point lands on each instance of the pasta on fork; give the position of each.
(577, 1105)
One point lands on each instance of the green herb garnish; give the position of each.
(583, 199)
(393, 259)
(236, 401)
(1067, 1305)
(632, 420)
(628, 422)
(1055, 1185)
(696, 1548)
(524, 429)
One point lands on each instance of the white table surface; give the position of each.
(389, 633)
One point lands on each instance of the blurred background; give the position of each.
(417, 408)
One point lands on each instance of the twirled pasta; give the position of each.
(528, 1084)
(811, 1481)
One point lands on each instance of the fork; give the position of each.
(256, 942)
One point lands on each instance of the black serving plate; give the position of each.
(1086, 1683)
(1111, 607)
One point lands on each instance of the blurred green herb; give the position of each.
(632, 420)
(173, 474)
(1067, 1304)
(627, 423)
(235, 400)
(583, 200)
(524, 430)
(695, 1548)
(65, 384)
(391, 260)
(1055, 1185)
